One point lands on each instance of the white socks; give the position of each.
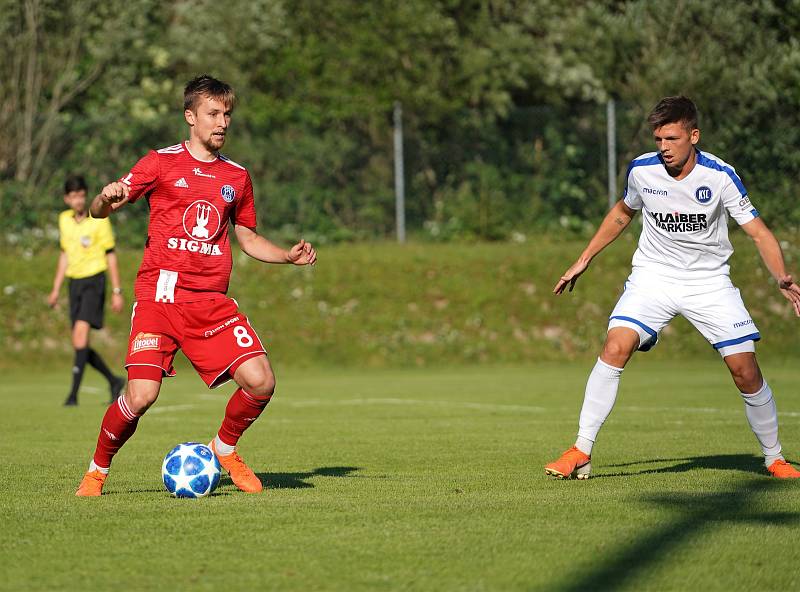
(221, 448)
(598, 401)
(601, 393)
(763, 418)
(94, 467)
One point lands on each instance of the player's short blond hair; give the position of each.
(207, 86)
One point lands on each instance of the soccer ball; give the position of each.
(190, 470)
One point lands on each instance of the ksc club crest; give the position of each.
(703, 194)
(201, 220)
(228, 193)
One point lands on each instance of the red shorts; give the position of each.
(213, 334)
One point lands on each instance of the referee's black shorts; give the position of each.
(87, 297)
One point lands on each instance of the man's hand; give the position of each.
(112, 197)
(791, 292)
(571, 276)
(302, 254)
(52, 299)
(115, 193)
(117, 303)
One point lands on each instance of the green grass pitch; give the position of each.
(422, 479)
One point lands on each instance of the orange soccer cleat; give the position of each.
(91, 484)
(572, 463)
(783, 470)
(241, 475)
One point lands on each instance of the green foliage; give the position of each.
(385, 305)
(502, 101)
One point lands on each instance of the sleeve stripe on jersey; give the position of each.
(176, 149)
(646, 161)
(229, 161)
(710, 163)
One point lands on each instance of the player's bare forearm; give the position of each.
(113, 268)
(612, 226)
(117, 300)
(61, 272)
(617, 220)
(99, 208)
(260, 248)
(768, 247)
(772, 255)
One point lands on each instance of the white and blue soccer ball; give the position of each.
(190, 469)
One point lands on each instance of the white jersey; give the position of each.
(685, 226)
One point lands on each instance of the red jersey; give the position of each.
(187, 256)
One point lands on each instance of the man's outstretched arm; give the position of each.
(771, 253)
(612, 226)
(260, 248)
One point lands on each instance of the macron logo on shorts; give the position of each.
(145, 341)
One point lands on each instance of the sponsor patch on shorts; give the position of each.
(145, 341)
(218, 328)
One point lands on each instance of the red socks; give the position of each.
(242, 410)
(120, 422)
(118, 425)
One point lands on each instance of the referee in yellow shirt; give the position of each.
(87, 250)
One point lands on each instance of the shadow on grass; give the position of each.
(695, 514)
(163, 490)
(747, 463)
(297, 480)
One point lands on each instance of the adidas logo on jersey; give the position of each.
(182, 183)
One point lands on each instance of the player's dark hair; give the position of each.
(75, 183)
(674, 110)
(207, 86)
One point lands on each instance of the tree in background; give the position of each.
(503, 102)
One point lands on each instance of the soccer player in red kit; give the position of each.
(193, 192)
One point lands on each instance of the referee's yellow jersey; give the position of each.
(85, 243)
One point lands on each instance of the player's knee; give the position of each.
(261, 386)
(80, 339)
(745, 372)
(747, 379)
(140, 399)
(616, 353)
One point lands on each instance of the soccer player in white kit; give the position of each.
(680, 267)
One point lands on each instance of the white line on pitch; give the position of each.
(169, 408)
(698, 410)
(392, 401)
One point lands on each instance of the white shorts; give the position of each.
(715, 308)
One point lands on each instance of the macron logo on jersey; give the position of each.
(182, 183)
(679, 222)
(659, 192)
